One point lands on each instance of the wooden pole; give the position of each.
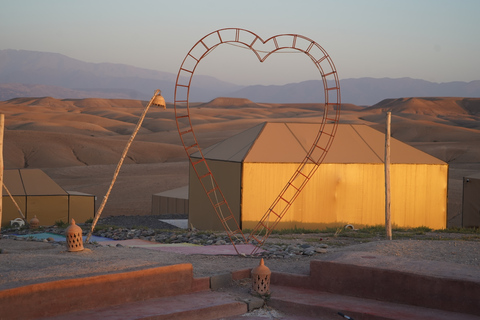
(388, 222)
(14, 202)
(119, 166)
(2, 125)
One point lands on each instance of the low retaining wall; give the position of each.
(387, 285)
(53, 298)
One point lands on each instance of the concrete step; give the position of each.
(323, 305)
(200, 305)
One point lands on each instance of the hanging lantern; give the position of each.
(34, 223)
(261, 279)
(74, 237)
(158, 100)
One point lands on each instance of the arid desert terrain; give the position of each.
(79, 142)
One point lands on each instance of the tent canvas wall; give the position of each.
(348, 188)
(471, 201)
(81, 206)
(38, 195)
(173, 201)
(13, 181)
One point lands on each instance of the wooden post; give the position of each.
(120, 163)
(388, 222)
(2, 125)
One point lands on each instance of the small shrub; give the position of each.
(61, 224)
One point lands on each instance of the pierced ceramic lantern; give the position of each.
(159, 100)
(74, 237)
(261, 279)
(34, 223)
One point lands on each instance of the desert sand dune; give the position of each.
(224, 102)
(430, 105)
(78, 142)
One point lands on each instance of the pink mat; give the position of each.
(186, 248)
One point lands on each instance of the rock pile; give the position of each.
(207, 239)
(283, 251)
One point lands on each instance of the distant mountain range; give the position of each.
(37, 74)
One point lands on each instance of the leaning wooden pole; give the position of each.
(2, 125)
(388, 221)
(14, 202)
(120, 163)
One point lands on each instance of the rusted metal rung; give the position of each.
(300, 172)
(280, 197)
(333, 88)
(310, 159)
(194, 163)
(177, 101)
(328, 74)
(317, 146)
(192, 146)
(275, 42)
(218, 204)
(271, 210)
(309, 47)
(184, 116)
(206, 47)
(321, 59)
(291, 185)
(212, 190)
(183, 85)
(186, 131)
(254, 238)
(330, 119)
(189, 71)
(205, 175)
(327, 133)
(193, 56)
(230, 217)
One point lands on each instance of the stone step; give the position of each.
(199, 305)
(324, 305)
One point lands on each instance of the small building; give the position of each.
(38, 195)
(173, 201)
(471, 201)
(253, 166)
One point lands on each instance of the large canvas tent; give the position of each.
(252, 167)
(471, 201)
(38, 195)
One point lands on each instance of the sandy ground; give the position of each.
(29, 262)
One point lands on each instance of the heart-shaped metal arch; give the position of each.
(313, 158)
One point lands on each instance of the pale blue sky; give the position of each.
(435, 40)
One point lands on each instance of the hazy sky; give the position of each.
(435, 40)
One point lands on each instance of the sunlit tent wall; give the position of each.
(252, 167)
(471, 201)
(38, 195)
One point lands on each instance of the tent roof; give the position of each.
(473, 176)
(180, 193)
(289, 142)
(30, 182)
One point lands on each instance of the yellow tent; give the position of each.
(38, 195)
(252, 167)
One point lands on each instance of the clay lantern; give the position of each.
(74, 237)
(34, 223)
(261, 279)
